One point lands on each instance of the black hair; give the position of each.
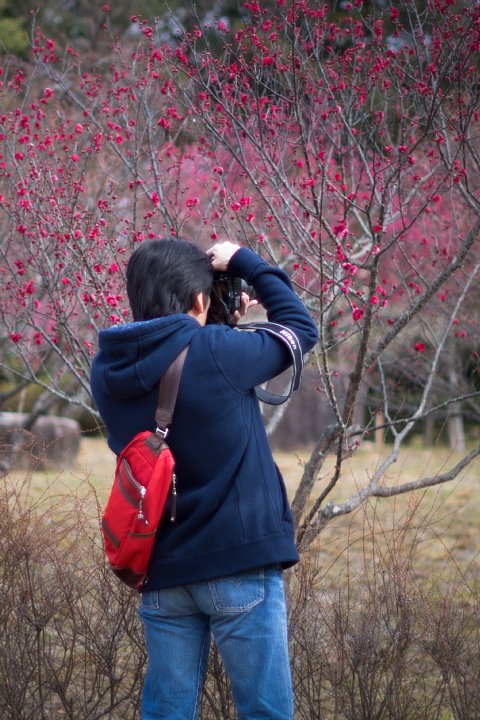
(165, 277)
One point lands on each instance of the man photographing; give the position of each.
(217, 570)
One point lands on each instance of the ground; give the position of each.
(442, 521)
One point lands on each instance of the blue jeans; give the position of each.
(246, 615)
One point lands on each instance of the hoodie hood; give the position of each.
(132, 357)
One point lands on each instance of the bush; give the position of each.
(379, 643)
(13, 37)
(70, 640)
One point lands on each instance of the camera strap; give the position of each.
(290, 340)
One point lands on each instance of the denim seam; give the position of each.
(201, 674)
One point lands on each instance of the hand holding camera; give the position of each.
(231, 297)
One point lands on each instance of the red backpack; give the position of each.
(144, 477)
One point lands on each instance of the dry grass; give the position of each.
(388, 602)
(443, 521)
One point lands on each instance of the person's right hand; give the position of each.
(221, 253)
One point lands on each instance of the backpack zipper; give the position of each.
(141, 515)
(142, 490)
(173, 506)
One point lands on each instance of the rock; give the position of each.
(309, 411)
(52, 441)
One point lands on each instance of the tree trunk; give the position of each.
(428, 431)
(456, 430)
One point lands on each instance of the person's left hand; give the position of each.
(245, 304)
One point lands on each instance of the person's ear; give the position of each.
(199, 304)
(200, 307)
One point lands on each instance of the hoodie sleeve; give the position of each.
(248, 359)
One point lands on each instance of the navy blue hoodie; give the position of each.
(232, 509)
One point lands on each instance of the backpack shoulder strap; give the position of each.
(167, 393)
(288, 337)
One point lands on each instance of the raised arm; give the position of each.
(249, 359)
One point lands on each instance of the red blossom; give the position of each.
(303, 159)
(340, 229)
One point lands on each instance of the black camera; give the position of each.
(225, 298)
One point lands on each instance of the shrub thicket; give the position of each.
(378, 644)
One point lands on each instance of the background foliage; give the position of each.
(338, 140)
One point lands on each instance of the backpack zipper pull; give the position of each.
(141, 515)
(173, 506)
